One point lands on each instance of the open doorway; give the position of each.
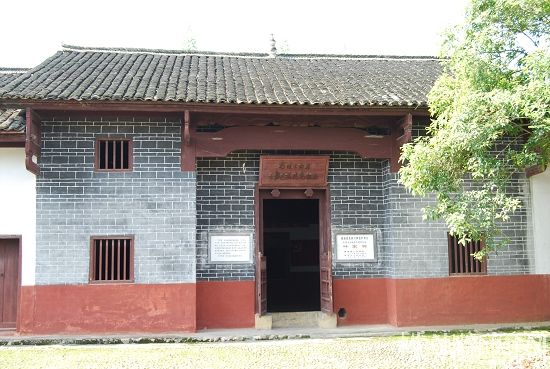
(291, 245)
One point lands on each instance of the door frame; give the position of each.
(19, 239)
(325, 241)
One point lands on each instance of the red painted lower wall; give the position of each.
(125, 308)
(108, 308)
(225, 304)
(365, 300)
(444, 301)
(476, 299)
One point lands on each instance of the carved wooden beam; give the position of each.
(220, 144)
(188, 162)
(402, 134)
(406, 127)
(186, 134)
(33, 140)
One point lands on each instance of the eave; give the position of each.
(12, 139)
(175, 107)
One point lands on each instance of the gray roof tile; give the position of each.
(11, 120)
(82, 74)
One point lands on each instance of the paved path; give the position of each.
(251, 334)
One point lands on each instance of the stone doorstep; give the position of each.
(252, 334)
(303, 319)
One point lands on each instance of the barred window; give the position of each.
(461, 260)
(112, 259)
(113, 154)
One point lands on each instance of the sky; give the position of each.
(35, 29)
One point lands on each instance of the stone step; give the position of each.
(301, 319)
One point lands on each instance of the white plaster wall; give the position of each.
(18, 207)
(540, 190)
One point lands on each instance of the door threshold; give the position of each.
(299, 319)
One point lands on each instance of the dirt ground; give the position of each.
(488, 350)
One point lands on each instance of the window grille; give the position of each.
(112, 259)
(461, 260)
(114, 154)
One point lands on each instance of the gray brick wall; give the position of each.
(357, 204)
(225, 203)
(365, 195)
(155, 202)
(418, 248)
(517, 257)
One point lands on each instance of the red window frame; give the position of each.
(110, 142)
(98, 272)
(460, 260)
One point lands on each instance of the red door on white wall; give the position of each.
(9, 281)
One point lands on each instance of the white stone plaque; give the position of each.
(355, 247)
(230, 248)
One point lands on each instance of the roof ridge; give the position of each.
(129, 50)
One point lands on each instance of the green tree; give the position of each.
(491, 118)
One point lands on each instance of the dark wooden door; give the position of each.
(9, 281)
(326, 283)
(262, 285)
(325, 249)
(325, 253)
(261, 263)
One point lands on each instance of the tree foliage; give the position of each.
(491, 118)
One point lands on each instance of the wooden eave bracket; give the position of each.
(405, 125)
(188, 152)
(534, 170)
(33, 140)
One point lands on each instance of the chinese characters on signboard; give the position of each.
(355, 247)
(293, 171)
(230, 248)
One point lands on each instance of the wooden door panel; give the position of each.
(325, 255)
(3, 252)
(326, 284)
(9, 281)
(262, 285)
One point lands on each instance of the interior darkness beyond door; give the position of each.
(291, 247)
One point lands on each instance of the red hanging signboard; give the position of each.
(293, 171)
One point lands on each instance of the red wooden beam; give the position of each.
(239, 119)
(406, 127)
(402, 134)
(32, 141)
(220, 144)
(10, 139)
(188, 160)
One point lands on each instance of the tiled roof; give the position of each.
(9, 74)
(11, 120)
(84, 74)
